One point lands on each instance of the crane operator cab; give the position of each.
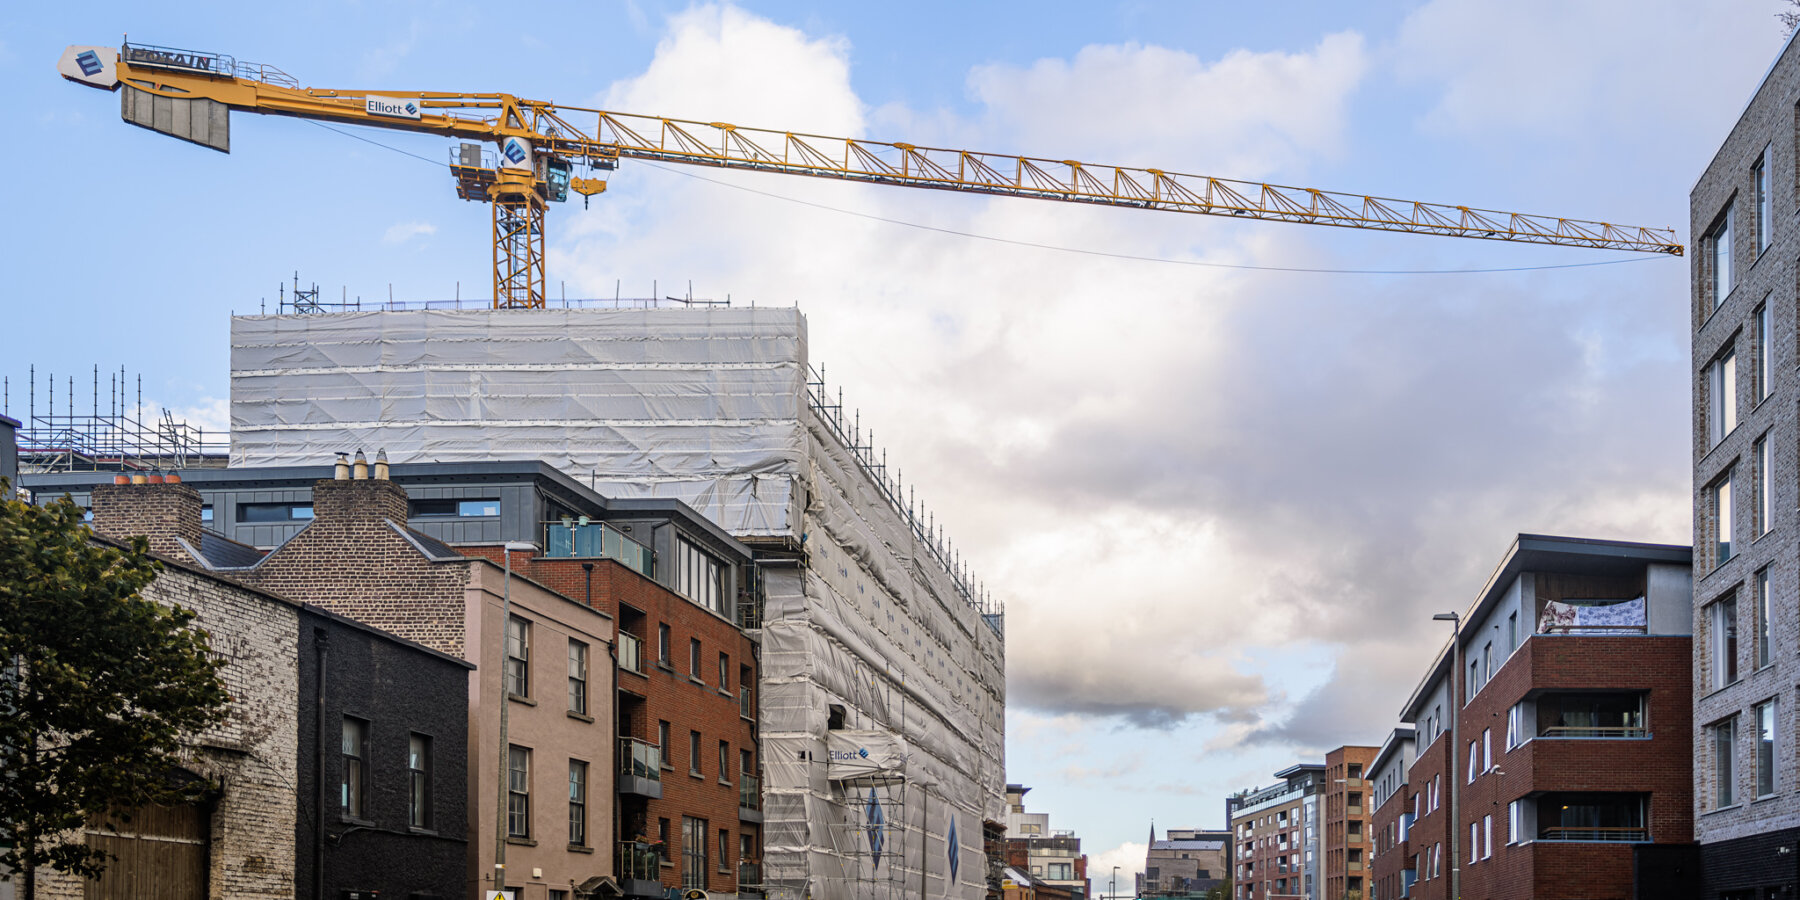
(553, 177)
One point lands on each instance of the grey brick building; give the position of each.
(1746, 533)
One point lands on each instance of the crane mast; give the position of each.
(520, 155)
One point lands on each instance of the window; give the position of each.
(1723, 622)
(662, 837)
(1487, 837)
(267, 513)
(1765, 749)
(724, 761)
(662, 744)
(1515, 725)
(1760, 452)
(1724, 737)
(724, 672)
(1487, 661)
(577, 803)
(578, 660)
(693, 852)
(518, 792)
(1762, 619)
(1512, 633)
(1721, 387)
(693, 753)
(698, 576)
(1715, 255)
(724, 850)
(1474, 749)
(1764, 350)
(1487, 749)
(354, 785)
(694, 658)
(418, 781)
(518, 657)
(1759, 187)
(1515, 821)
(662, 645)
(1719, 503)
(1060, 872)
(465, 508)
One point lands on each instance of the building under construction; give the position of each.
(883, 664)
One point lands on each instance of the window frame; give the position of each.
(1721, 503)
(1724, 738)
(418, 781)
(663, 645)
(1762, 651)
(354, 763)
(1716, 256)
(1768, 769)
(694, 654)
(695, 835)
(1759, 195)
(1722, 395)
(694, 755)
(517, 662)
(518, 792)
(578, 803)
(578, 680)
(1722, 640)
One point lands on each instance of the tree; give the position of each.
(98, 687)
(1790, 19)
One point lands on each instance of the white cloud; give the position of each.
(1129, 857)
(401, 232)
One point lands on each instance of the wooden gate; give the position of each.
(160, 854)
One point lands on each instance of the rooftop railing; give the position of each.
(575, 538)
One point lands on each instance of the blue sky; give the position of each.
(1220, 503)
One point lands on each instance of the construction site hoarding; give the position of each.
(871, 636)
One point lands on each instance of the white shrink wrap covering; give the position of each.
(709, 406)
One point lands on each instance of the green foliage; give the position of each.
(98, 687)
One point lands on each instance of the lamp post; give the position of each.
(1115, 883)
(1455, 620)
(505, 705)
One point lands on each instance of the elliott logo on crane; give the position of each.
(190, 95)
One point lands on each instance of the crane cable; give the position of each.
(1060, 249)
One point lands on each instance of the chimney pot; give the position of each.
(381, 465)
(172, 478)
(121, 479)
(156, 478)
(340, 471)
(360, 470)
(139, 479)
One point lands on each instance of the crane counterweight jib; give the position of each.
(538, 148)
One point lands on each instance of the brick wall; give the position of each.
(253, 752)
(688, 701)
(160, 512)
(351, 561)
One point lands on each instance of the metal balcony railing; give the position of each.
(1595, 731)
(640, 759)
(1595, 834)
(631, 652)
(638, 861)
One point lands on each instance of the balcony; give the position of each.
(631, 652)
(749, 875)
(1606, 817)
(746, 705)
(581, 538)
(1591, 716)
(639, 868)
(1617, 833)
(640, 768)
(1353, 810)
(749, 798)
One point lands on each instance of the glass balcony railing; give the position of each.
(749, 874)
(571, 537)
(749, 791)
(631, 652)
(639, 861)
(640, 759)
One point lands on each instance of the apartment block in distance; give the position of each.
(1033, 848)
(1346, 830)
(1746, 425)
(1573, 699)
(1275, 836)
(1187, 862)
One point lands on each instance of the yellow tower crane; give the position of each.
(520, 155)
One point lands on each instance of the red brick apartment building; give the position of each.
(1347, 815)
(1275, 835)
(1390, 823)
(1571, 692)
(660, 671)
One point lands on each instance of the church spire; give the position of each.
(1152, 833)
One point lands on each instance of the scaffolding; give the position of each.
(116, 438)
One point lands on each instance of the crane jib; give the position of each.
(539, 151)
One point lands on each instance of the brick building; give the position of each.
(670, 579)
(1745, 430)
(1573, 701)
(1187, 862)
(1275, 835)
(1052, 857)
(1391, 874)
(1347, 811)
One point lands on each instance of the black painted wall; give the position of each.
(400, 688)
(1752, 866)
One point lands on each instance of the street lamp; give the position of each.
(1455, 621)
(500, 800)
(1115, 883)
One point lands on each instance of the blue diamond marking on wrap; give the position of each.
(950, 848)
(89, 61)
(877, 819)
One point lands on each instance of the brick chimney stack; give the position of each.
(338, 502)
(159, 512)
